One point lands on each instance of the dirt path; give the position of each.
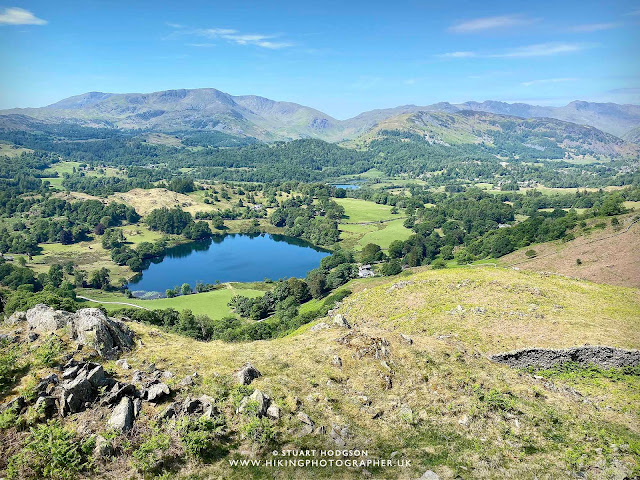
(113, 303)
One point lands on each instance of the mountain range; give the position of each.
(265, 119)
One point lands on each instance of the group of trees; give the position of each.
(176, 221)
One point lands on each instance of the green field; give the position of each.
(213, 304)
(357, 210)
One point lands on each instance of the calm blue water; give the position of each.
(347, 186)
(230, 258)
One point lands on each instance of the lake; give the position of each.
(229, 258)
(347, 186)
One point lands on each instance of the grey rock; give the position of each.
(32, 337)
(192, 405)
(118, 391)
(340, 321)
(16, 318)
(137, 407)
(122, 416)
(44, 319)
(71, 372)
(247, 374)
(336, 361)
(75, 394)
(273, 412)
(167, 374)
(47, 406)
(90, 326)
(96, 376)
(103, 448)
(156, 391)
(319, 326)
(602, 356)
(406, 339)
(122, 363)
(137, 376)
(304, 418)
(187, 381)
(261, 401)
(18, 404)
(429, 475)
(168, 413)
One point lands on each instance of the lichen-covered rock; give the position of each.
(16, 318)
(88, 326)
(602, 356)
(44, 319)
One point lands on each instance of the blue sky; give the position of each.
(342, 57)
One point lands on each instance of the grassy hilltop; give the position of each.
(438, 401)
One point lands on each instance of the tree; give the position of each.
(186, 289)
(371, 253)
(80, 278)
(316, 280)
(392, 267)
(396, 249)
(100, 279)
(56, 275)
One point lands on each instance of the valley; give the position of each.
(373, 315)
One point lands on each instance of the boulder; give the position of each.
(44, 319)
(122, 416)
(16, 317)
(122, 363)
(429, 475)
(304, 418)
(18, 404)
(118, 391)
(90, 326)
(167, 413)
(259, 399)
(319, 326)
(156, 391)
(187, 381)
(137, 407)
(340, 321)
(336, 361)
(103, 448)
(75, 394)
(47, 406)
(247, 374)
(406, 339)
(273, 412)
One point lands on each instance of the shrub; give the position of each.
(198, 435)
(149, 456)
(9, 355)
(48, 353)
(259, 430)
(51, 451)
(531, 253)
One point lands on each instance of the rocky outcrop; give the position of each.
(601, 356)
(88, 326)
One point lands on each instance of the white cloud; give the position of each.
(633, 13)
(491, 23)
(458, 55)
(547, 80)
(232, 35)
(593, 27)
(538, 50)
(19, 16)
(201, 45)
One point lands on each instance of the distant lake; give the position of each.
(230, 258)
(347, 186)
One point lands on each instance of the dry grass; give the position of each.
(608, 255)
(146, 200)
(449, 409)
